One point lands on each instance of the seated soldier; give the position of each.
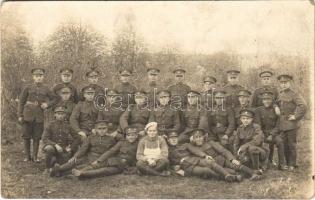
(184, 163)
(152, 153)
(138, 114)
(92, 148)
(120, 158)
(244, 103)
(65, 100)
(216, 152)
(249, 140)
(59, 141)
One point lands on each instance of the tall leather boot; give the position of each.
(27, 150)
(35, 149)
(146, 170)
(218, 169)
(255, 161)
(105, 171)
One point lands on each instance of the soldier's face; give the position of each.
(244, 100)
(92, 79)
(102, 131)
(152, 132)
(246, 120)
(38, 78)
(173, 141)
(66, 78)
(89, 96)
(198, 139)
(164, 100)
(65, 96)
(152, 77)
(208, 85)
(140, 99)
(233, 80)
(219, 101)
(111, 99)
(285, 85)
(266, 80)
(192, 100)
(59, 116)
(179, 79)
(132, 137)
(267, 102)
(125, 79)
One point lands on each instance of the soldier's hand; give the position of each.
(236, 162)
(68, 149)
(21, 119)
(269, 138)
(291, 117)
(209, 157)
(59, 148)
(82, 134)
(94, 162)
(176, 167)
(72, 160)
(44, 105)
(277, 109)
(141, 133)
(114, 134)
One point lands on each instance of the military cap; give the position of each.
(233, 71)
(92, 73)
(209, 79)
(219, 93)
(101, 123)
(125, 72)
(66, 71)
(285, 77)
(198, 131)
(60, 109)
(265, 73)
(164, 93)
(193, 92)
(266, 95)
(88, 89)
(172, 134)
(154, 71)
(38, 71)
(244, 92)
(140, 93)
(179, 72)
(64, 90)
(112, 92)
(131, 129)
(247, 113)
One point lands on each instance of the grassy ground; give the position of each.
(25, 180)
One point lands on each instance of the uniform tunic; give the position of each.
(152, 88)
(111, 114)
(135, 116)
(207, 99)
(179, 94)
(126, 90)
(256, 101)
(232, 92)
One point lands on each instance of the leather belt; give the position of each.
(35, 103)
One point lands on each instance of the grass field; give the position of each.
(26, 180)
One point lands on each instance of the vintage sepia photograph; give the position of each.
(157, 100)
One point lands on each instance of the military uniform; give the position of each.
(117, 159)
(84, 115)
(166, 117)
(99, 90)
(126, 90)
(256, 101)
(135, 115)
(74, 93)
(194, 117)
(267, 118)
(59, 133)
(29, 109)
(290, 103)
(208, 95)
(69, 104)
(248, 143)
(232, 90)
(237, 109)
(152, 87)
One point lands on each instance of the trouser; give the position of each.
(52, 156)
(32, 131)
(239, 168)
(290, 140)
(80, 163)
(278, 141)
(104, 171)
(258, 155)
(144, 167)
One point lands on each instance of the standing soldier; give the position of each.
(153, 86)
(136, 115)
(221, 121)
(125, 88)
(267, 118)
(179, 90)
(84, 113)
(66, 78)
(232, 88)
(92, 78)
(166, 117)
(266, 80)
(64, 92)
(207, 93)
(293, 108)
(244, 103)
(34, 99)
(111, 113)
(194, 116)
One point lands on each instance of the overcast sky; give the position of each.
(198, 27)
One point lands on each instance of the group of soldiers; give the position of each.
(224, 132)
